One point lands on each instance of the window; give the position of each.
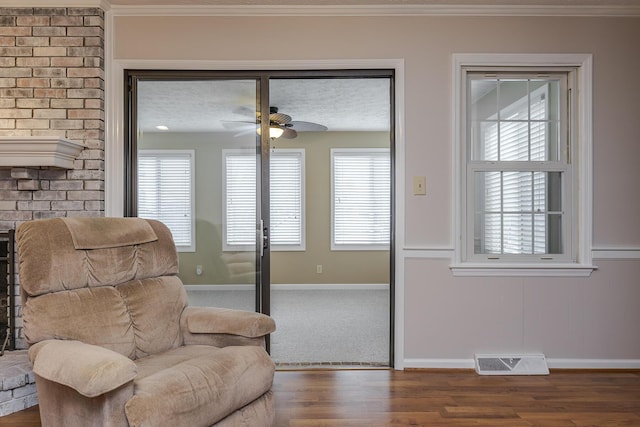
(515, 167)
(165, 192)
(240, 199)
(520, 189)
(361, 199)
(287, 200)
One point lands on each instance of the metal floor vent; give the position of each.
(511, 364)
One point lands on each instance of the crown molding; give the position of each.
(102, 4)
(486, 9)
(379, 10)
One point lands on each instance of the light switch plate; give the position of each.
(419, 185)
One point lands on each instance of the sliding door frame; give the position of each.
(115, 147)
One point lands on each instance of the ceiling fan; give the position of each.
(280, 125)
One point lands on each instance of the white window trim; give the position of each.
(352, 247)
(192, 155)
(583, 155)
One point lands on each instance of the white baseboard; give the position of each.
(594, 363)
(328, 286)
(208, 288)
(291, 287)
(439, 363)
(553, 363)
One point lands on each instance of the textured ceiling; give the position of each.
(206, 106)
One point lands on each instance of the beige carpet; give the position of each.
(329, 327)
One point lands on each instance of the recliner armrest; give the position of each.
(86, 368)
(212, 320)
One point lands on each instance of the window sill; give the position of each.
(360, 248)
(285, 248)
(522, 270)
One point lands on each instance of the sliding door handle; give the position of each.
(263, 237)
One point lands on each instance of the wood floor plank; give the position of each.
(28, 418)
(443, 398)
(477, 412)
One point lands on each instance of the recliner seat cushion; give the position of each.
(205, 385)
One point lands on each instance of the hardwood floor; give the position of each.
(27, 418)
(456, 398)
(386, 398)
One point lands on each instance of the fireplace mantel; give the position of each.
(38, 151)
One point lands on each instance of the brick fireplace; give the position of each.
(51, 90)
(7, 292)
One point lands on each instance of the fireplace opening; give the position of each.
(7, 292)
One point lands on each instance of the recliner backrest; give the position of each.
(110, 282)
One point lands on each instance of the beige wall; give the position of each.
(449, 317)
(290, 267)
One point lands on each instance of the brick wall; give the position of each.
(52, 84)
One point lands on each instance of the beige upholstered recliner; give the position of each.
(113, 342)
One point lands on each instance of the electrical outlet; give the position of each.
(319, 268)
(198, 270)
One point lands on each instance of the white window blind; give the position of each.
(286, 201)
(165, 192)
(511, 225)
(240, 198)
(361, 199)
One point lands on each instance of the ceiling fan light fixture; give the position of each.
(275, 131)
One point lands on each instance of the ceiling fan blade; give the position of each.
(245, 111)
(289, 133)
(308, 126)
(280, 118)
(234, 125)
(245, 132)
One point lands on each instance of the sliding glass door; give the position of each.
(292, 215)
(195, 164)
(331, 281)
